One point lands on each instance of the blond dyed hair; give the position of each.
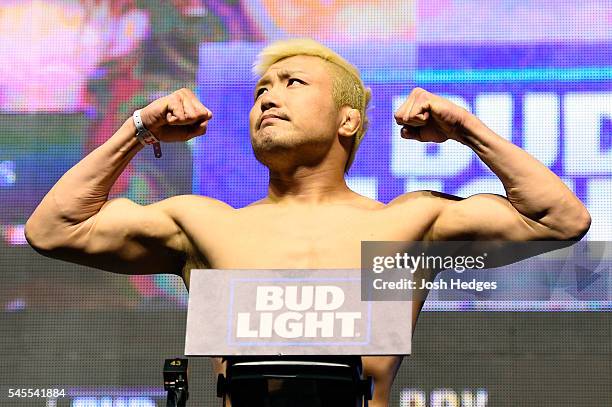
(348, 88)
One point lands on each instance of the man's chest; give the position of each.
(317, 237)
(309, 238)
(287, 242)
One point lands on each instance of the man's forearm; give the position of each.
(534, 190)
(82, 191)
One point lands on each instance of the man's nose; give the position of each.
(269, 100)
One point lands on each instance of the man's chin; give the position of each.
(269, 130)
(270, 139)
(270, 148)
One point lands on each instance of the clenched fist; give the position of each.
(179, 116)
(428, 117)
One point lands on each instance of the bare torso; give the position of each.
(322, 236)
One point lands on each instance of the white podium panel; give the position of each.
(291, 312)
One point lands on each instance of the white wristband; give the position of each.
(145, 136)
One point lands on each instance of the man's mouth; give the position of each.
(269, 118)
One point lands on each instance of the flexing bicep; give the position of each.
(484, 217)
(124, 237)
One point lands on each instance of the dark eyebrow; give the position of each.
(281, 74)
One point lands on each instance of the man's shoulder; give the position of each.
(364, 202)
(259, 202)
(423, 196)
(189, 204)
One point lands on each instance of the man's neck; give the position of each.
(308, 186)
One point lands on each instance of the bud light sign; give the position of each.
(306, 312)
(271, 312)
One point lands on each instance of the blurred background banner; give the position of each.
(539, 73)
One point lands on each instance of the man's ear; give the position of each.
(351, 121)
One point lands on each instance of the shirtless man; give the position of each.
(307, 119)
